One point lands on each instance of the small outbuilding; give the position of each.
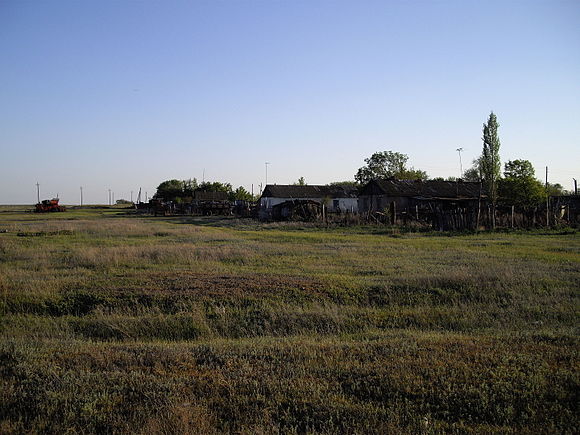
(380, 194)
(443, 204)
(335, 198)
(297, 210)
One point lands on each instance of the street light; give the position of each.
(460, 164)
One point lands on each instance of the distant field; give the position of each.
(15, 208)
(24, 208)
(114, 322)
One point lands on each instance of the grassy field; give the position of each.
(118, 323)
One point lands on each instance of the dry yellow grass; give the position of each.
(114, 323)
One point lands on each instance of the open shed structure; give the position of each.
(335, 198)
(444, 204)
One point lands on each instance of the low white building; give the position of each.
(335, 198)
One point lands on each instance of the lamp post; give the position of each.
(460, 163)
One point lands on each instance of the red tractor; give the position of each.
(49, 205)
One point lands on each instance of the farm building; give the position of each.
(377, 195)
(336, 199)
(210, 203)
(297, 210)
(445, 204)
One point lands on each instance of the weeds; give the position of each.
(113, 323)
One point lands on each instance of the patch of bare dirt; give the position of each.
(210, 285)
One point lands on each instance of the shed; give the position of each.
(379, 194)
(336, 198)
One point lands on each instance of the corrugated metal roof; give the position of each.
(309, 191)
(426, 189)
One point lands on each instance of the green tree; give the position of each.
(450, 178)
(215, 186)
(473, 173)
(555, 189)
(170, 190)
(183, 190)
(189, 186)
(242, 194)
(301, 182)
(519, 187)
(489, 162)
(344, 183)
(387, 164)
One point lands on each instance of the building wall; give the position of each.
(344, 204)
(268, 203)
(368, 203)
(403, 203)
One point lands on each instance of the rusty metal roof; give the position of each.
(309, 191)
(425, 189)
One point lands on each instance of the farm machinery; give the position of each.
(49, 205)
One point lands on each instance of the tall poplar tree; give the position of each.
(490, 165)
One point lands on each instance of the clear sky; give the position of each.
(125, 94)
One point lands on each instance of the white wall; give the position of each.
(345, 204)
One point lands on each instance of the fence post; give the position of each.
(547, 210)
(512, 216)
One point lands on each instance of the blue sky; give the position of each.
(125, 94)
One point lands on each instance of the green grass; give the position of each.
(114, 322)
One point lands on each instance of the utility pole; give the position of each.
(266, 164)
(131, 196)
(575, 187)
(109, 196)
(81, 196)
(460, 163)
(547, 201)
(38, 192)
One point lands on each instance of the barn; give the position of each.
(380, 194)
(335, 198)
(442, 204)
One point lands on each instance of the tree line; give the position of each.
(518, 186)
(180, 191)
